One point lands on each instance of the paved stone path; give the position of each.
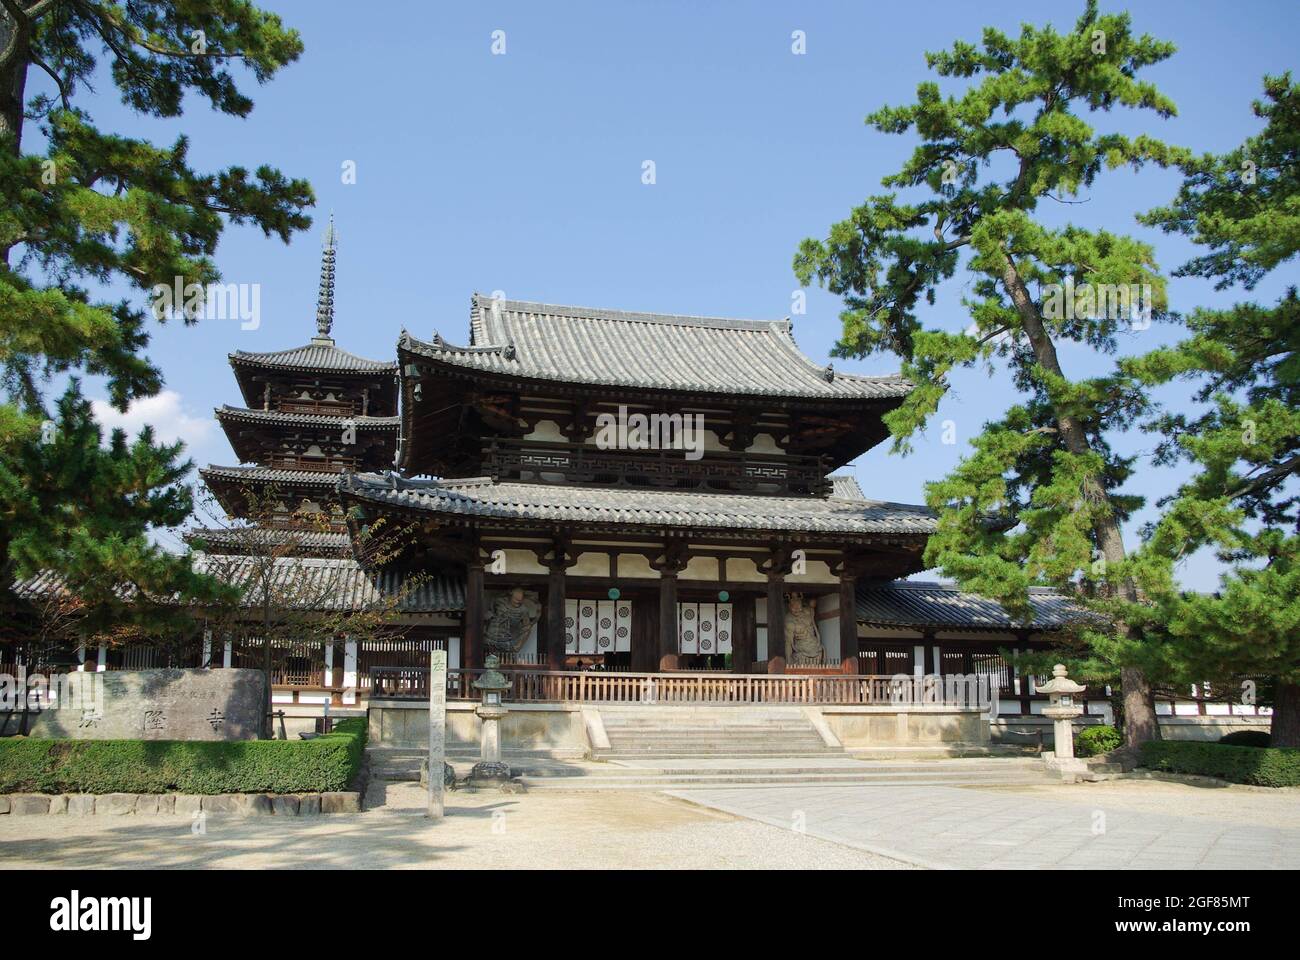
(957, 827)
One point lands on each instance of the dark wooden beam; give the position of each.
(472, 641)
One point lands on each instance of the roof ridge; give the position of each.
(631, 316)
(340, 417)
(264, 355)
(953, 588)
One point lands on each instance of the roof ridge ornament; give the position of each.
(325, 297)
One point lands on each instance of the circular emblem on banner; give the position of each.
(688, 614)
(586, 611)
(622, 631)
(688, 636)
(706, 644)
(605, 623)
(722, 636)
(624, 612)
(586, 633)
(604, 641)
(724, 614)
(568, 621)
(706, 625)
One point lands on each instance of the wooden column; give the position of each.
(743, 634)
(471, 642)
(667, 613)
(848, 616)
(775, 614)
(555, 617)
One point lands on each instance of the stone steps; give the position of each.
(797, 771)
(666, 731)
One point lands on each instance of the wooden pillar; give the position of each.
(667, 613)
(645, 635)
(555, 589)
(775, 614)
(471, 654)
(744, 635)
(848, 617)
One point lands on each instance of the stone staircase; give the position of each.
(664, 731)
(760, 772)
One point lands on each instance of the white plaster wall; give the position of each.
(818, 571)
(828, 623)
(522, 561)
(744, 570)
(763, 443)
(635, 565)
(590, 565)
(701, 568)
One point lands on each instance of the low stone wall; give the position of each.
(863, 726)
(179, 804)
(554, 729)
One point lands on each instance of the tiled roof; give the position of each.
(480, 497)
(289, 478)
(323, 583)
(908, 603)
(318, 355)
(646, 351)
(245, 415)
(316, 583)
(308, 542)
(845, 487)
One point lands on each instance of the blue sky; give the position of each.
(522, 172)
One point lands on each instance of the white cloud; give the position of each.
(165, 412)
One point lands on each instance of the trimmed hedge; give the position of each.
(1265, 767)
(1247, 738)
(1094, 741)
(328, 762)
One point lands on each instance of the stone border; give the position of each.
(180, 804)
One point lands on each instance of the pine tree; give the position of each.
(91, 207)
(1039, 500)
(1244, 443)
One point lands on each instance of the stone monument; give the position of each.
(192, 704)
(437, 729)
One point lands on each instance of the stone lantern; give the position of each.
(1062, 709)
(490, 769)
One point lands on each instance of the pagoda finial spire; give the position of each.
(325, 298)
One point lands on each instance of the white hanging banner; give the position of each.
(723, 628)
(623, 626)
(587, 626)
(570, 626)
(704, 628)
(597, 626)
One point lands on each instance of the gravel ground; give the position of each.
(481, 830)
(1230, 803)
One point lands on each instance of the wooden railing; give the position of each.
(715, 470)
(346, 408)
(536, 686)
